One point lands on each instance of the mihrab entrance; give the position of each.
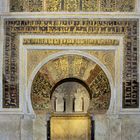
(65, 64)
(70, 101)
(71, 128)
(71, 93)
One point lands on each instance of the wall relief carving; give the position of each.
(34, 57)
(72, 5)
(126, 27)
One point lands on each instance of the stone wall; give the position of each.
(112, 127)
(4, 6)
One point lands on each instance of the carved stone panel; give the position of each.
(72, 5)
(125, 27)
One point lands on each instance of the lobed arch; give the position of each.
(86, 56)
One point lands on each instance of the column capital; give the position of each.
(92, 116)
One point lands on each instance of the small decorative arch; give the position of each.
(80, 67)
(70, 95)
(72, 79)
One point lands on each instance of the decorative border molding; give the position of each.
(116, 99)
(72, 6)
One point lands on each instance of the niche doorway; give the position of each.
(70, 100)
(75, 69)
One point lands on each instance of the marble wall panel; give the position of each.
(10, 127)
(101, 127)
(26, 128)
(107, 127)
(39, 128)
(131, 128)
(115, 128)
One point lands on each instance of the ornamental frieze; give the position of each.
(69, 42)
(72, 5)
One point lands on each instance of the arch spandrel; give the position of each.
(71, 66)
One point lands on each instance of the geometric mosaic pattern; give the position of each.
(34, 57)
(126, 27)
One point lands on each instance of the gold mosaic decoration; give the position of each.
(52, 72)
(34, 57)
(35, 5)
(52, 5)
(18, 5)
(40, 91)
(126, 27)
(72, 5)
(90, 5)
(117, 5)
(108, 5)
(125, 5)
(107, 58)
(101, 93)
